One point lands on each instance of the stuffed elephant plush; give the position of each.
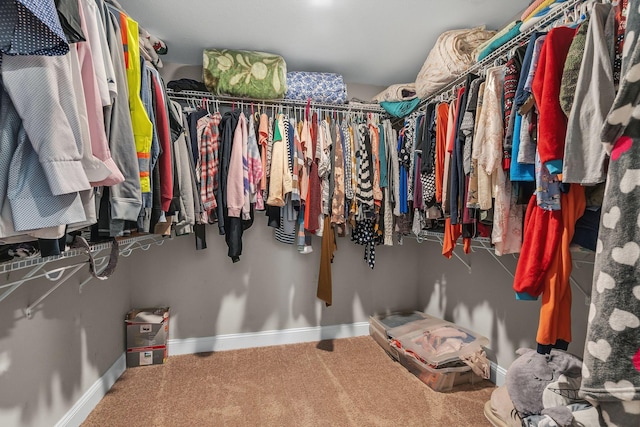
(531, 373)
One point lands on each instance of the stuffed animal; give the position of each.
(531, 373)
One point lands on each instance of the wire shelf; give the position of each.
(191, 95)
(20, 264)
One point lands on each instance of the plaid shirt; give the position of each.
(209, 144)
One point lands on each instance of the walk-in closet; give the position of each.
(319, 213)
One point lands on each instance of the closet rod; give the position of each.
(191, 95)
(503, 50)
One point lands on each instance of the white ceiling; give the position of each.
(375, 42)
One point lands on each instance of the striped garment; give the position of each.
(392, 181)
(354, 162)
(290, 148)
(374, 135)
(270, 146)
(348, 155)
(364, 193)
(246, 205)
(269, 152)
(209, 144)
(410, 145)
(286, 231)
(324, 166)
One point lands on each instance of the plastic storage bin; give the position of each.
(439, 379)
(403, 336)
(380, 324)
(436, 342)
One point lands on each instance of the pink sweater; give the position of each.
(235, 178)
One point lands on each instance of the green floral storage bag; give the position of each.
(244, 73)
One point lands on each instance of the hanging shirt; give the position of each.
(442, 114)
(348, 166)
(313, 208)
(594, 95)
(374, 135)
(70, 20)
(165, 161)
(279, 166)
(142, 126)
(125, 199)
(297, 162)
(364, 192)
(490, 134)
(263, 141)
(254, 169)
(31, 27)
(401, 201)
(94, 104)
(458, 186)
(209, 143)
(338, 201)
(552, 127)
(382, 157)
(324, 165)
(391, 188)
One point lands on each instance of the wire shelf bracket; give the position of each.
(46, 267)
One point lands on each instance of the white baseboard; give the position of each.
(265, 338)
(498, 374)
(90, 399)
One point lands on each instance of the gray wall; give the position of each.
(482, 299)
(49, 361)
(272, 287)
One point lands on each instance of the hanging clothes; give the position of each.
(552, 126)
(125, 198)
(594, 95)
(40, 21)
(209, 143)
(338, 200)
(364, 191)
(329, 246)
(313, 208)
(611, 372)
(442, 115)
(458, 184)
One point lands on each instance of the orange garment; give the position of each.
(555, 312)
(446, 172)
(451, 235)
(326, 258)
(442, 118)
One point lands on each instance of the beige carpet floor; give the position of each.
(345, 382)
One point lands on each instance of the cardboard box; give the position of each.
(147, 334)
